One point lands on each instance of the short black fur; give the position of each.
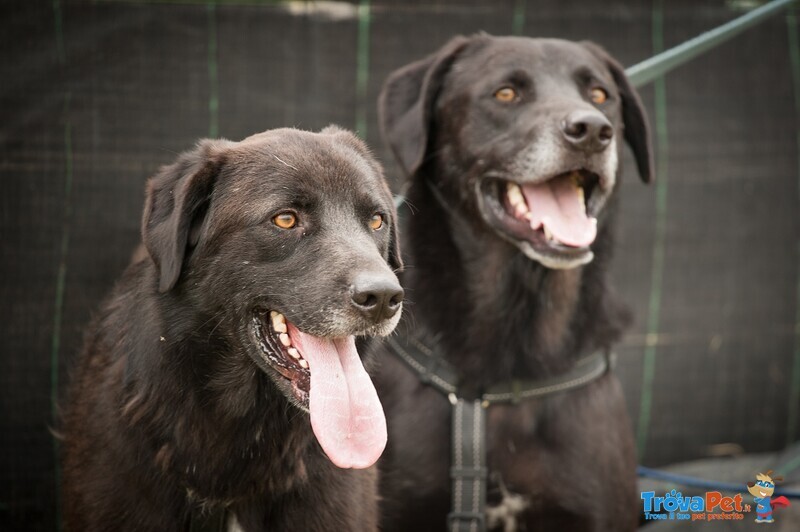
(494, 312)
(168, 417)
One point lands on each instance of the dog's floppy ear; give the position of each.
(637, 129)
(395, 259)
(405, 104)
(176, 203)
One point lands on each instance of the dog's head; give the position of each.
(526, 133)
(287, 240)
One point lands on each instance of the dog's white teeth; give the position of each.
(295, 354)
(514, 193)
(279, 324)
(278, 321)
(577, 182)
(516, 199)
(547, 234)
(284, 338)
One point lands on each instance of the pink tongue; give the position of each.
(346, 414)
(557, 205)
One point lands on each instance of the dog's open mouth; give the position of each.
(272, 333)
(327, 378)
(553, 221)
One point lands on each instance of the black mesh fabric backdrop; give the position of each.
(95, 95)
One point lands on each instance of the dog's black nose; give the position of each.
(589, 131)
(376, 296)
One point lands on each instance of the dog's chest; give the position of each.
(519, 459)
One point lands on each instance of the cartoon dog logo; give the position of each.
(762, 490)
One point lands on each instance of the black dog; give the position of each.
(266, 258)
(512, 147)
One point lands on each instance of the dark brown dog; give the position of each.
(187, 401)
(512, 148)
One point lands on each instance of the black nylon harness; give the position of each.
(469, 471)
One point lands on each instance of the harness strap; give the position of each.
(468, 472)
(583, 372)
(431, 369)
(469, 469)
(434, 371)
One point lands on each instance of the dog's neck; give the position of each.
(249, 432)
(496, 313)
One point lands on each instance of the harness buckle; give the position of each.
(455, 519)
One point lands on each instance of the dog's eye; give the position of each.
(505, 95)
(598, 95)
(376, 222)
(285, 220)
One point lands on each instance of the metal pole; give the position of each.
(648, 70)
